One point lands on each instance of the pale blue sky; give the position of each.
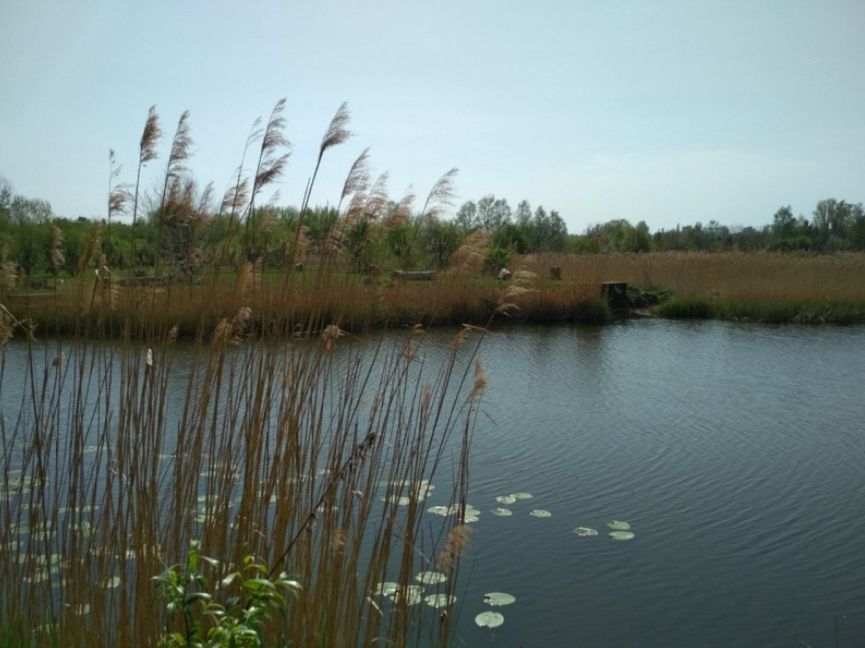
(668, 111)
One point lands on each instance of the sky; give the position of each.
(668, 111)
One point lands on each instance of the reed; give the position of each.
(232, 418)
(315, 456)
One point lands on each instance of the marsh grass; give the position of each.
(238, 413)
(761, 286)
(296, 452)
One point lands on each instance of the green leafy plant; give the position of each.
(233, 614)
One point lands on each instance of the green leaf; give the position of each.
(621, 535)
(618, 525)
(489, 619)
(540, 513)
(499, 598)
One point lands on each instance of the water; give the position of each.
(735, 451)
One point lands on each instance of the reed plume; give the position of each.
(357, 179)
(146, 151)
(336, 134)
(270, 165)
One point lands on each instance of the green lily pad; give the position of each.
(385, 588)
(439, 510)
(618, 525)
(440, 600)
(506, 499)
(499, 598)
(502, 512)
(621, 535)
(522, 496)
(410, 595)
(586, 532)
(430, 577)
(489, 619)
(541, 513)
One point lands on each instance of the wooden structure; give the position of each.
(615, 293)
(413, 275)
(556, 273)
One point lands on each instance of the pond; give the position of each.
(734, 453)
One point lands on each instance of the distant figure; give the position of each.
(504, 274)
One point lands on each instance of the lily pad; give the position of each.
(439, 510)
(499, 598)
(506, 499)
(541, 513)
(399, 500)
(522, 496)
(385, 588)
(502, 512)
(410, 595)
(430, 577)
(440, 600)
(621, 535)
(489, 619)
(618, 525)
(586, 532)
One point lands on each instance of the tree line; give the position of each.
(182, 234)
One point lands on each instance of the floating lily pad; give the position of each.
(522, 496)
(440, 600)
(541, 513)
(410, 595)
(502, 512)
(506, 499)
(430, 577)
(618, 525)
(489, 619)
(439, 510)
(621, 535)
(499, 598)
(585, 532)
(385, 588)
(399, 500)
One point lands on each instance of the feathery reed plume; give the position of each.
(455, 543)
(468, 258)
(117, 195)
(231, 332)
(90, 249)
(237, 195)
(330, 335)
(336, 134)
(357, 179)
(441, 195)
(270, 165)
(146, 151)
(180, 146)
(401, 211)
(376, 201)
(481, 382)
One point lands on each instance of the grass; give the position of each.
(758, 287)
(120, 456)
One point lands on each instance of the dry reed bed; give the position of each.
(118, 456)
